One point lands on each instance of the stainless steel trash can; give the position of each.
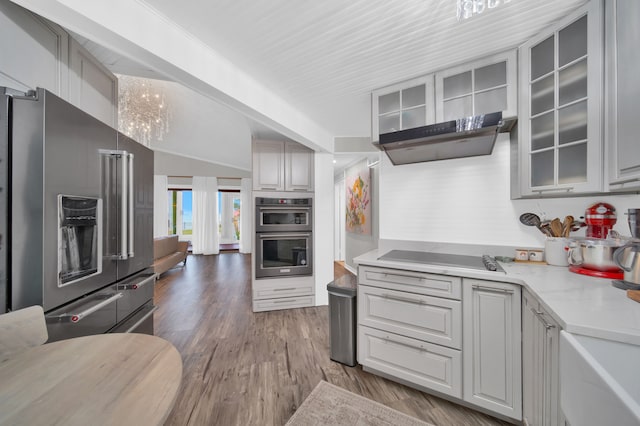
(342, 319)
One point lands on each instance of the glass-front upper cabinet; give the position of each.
(560, 117)
(402, 106)
(478, 87)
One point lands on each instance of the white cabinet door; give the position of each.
(560, 111)
(623, 88)
(483, 86)
(540, 374)
(491, 346)
(92, 87)
(34, 52)
(402, 106)
(268, 166)
(298, 167)
(432, 319)
(424, 364)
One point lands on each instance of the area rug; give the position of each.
(330, 405)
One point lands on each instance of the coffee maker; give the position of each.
(626, 257)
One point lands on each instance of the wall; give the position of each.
(468, 201)
(175, 165)
(323, 224)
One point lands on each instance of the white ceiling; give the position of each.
(325, 57)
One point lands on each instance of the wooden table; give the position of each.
(108, 379)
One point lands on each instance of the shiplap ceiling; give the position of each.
(325, 57)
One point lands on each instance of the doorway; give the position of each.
(229, 219)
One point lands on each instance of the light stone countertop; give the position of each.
(581, 304)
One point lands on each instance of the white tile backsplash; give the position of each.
(467, 201)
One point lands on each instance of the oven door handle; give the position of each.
(291, 235)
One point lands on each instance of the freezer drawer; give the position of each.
(93, 314)
(140, 322)
(424, 364)
(432, 319)
(136, 291)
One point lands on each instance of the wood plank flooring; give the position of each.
(242, 368)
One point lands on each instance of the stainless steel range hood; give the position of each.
(465, 137)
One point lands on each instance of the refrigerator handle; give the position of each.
(131, 220)
(124, 208)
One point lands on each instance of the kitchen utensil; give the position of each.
(566, 226)
(556, 227)
(626, 257)
(530, 219)
(545, 228)
(595, 254)
(634, 295)
(555, 251)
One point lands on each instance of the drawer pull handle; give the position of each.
(286, 301)
(403, 299)
(544, 322)
(496, 290)
(284, 289)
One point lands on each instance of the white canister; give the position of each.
(555, 249)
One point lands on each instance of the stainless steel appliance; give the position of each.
(627, 256)
(283, 214)
(284, 238)
(79, 205)
(465, 137)
(480, 263)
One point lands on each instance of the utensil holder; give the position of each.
(555, 250)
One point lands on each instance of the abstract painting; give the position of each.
(358, 203)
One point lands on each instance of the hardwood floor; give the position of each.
(245, 368)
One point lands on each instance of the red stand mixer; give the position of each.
(593, 255)
(600, 218)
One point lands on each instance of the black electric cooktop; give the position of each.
(481, 263)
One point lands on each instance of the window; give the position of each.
(180, 212)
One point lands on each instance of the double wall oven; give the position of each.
(284, 238)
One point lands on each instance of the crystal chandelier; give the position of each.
(469, 8)
(142, 109)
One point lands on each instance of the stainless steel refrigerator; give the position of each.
(77, 228)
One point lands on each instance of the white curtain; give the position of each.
(205, 215)
(160, 206)
(246, 216)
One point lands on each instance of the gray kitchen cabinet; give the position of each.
(268, 165)
(491, 348)
(415, 361)
(623, 89)
(92, 87)
(478, 87)
(35, 52)
(540, 356)
(427, 318)
(298, 167)
(402, 106)
(406, 331)
(560, 110)
(282, 166)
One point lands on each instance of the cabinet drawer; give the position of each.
(424, 364)
(432, 319)
(286, 303)
(277, 289)
(414, 282)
